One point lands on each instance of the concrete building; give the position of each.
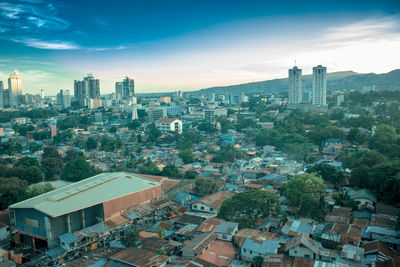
(125, 89)
(64, 99)
(167, 125)
(14, 87)
(319, 86)
(39, 221)
(295, 86)
(87, 89)
(155, 114)
(2, 94)
(211, 114)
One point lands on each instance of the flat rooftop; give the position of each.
(87, 193)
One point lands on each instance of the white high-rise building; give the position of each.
(295, 86)
(42, 94)
(14, 87)
(134, 113)
(319, 86)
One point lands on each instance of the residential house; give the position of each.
(353, 253)
(252, 248)
(304, 247)
(198, 244)
(295, 227)
(211, 203)
(139, 257)
(218, 254)
(168, 125)
(226, 230)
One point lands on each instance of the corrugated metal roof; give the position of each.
(264, 247)
(87, 193)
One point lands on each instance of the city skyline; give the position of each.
(191, 46)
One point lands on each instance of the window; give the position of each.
(202, 208)
(211, 209)
(195, 206)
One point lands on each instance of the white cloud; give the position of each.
(53, 45)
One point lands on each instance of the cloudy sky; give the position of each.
(192, 44)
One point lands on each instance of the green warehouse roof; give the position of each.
(87, 193)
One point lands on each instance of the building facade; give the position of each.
(295, 86)
(85, 90)
(14, 87)
(319, 86)
(167, 125)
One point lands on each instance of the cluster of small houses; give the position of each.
(193, 236)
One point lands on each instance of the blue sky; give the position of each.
(186, 45)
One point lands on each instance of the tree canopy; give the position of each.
(247, 207)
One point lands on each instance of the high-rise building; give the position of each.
(2, 94)
(85, 90)
(128, 87)
(134, 113)
(119, 88)
(14, 87)
(295, 86)
(319, 86)
(64, 99)
(42, 94)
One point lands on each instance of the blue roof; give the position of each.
(265, 247)
(226, 227)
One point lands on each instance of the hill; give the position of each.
(343, 80)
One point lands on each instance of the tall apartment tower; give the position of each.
(14, 87)
(319, 86)
(85, 90)
(64, 99)
(295, 86)
(2, 94)
(128, 89)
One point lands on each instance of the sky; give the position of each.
(186, 45)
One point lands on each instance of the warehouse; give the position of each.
(39, 221)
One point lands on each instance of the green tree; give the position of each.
(130, 239)
(148, 167)
(258, 261)
(77, 169)
(190, 174)
(205, 186)
(12, 190)
(73, 154)
(50, 152)
(154, 133)
(91, 143)
(306, 191)
(52, 167)
(38, 189)
(34, 146)
(171, 171)
(247, 207)
(328, 173)
(187, 156)
(160, 231)
(385, 141)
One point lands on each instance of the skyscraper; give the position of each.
(64, 99)
(295, 86)
(319, 86)
(125, 89)
(2, 93)
(14, 87)
(87, 89)
(128, 87)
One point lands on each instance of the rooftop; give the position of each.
(87, 193)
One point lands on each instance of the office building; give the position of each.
(155, 114)
(134, 113)
(125, 89)
(64, 99)
(42, 94)
(14, 88)
(210, 115)
(2, 94)
(40, 221)
(295, 86)
(319, 86)
(85, 90)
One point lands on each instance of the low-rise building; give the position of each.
(168, 125)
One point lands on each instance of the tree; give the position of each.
(77, 169)
(328, 173)
(385, 140)
(73, 154)
(187, 156)
(154, 133)
(205, 186)
(306, 192)
(258, 261)
(148, 167)
(50, 152)
(130, 239)
(247, 207)
(38, 189)
(34, 146)
(160, 231)
(12, 190)
(91, 143)
(190, 174)
(171, 171)
(25, 162)
(52, 167)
